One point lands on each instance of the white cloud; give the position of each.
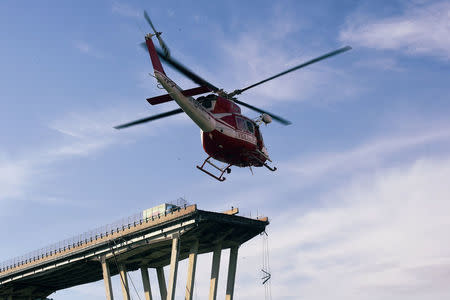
(82, 134)
(380, 236)
(369, 155)
(13, 177)
(420, 29)
(381, 232)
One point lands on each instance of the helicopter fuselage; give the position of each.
(226, 134)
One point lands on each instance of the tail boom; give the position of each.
(189, 105)
(157, 66)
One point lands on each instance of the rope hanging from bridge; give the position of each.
(126, 273)
(266, 273)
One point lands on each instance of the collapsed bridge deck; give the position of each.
(146, 243)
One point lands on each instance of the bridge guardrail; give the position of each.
(78, 240)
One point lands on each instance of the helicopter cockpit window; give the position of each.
(240, 123)
(250, 127)
(206, 101)
(245, 125)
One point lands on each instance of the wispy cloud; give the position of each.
(382, 233)
(377, 236)
(255, 55)
(81, 134)
(421, 29)
(87, 49)
(85, 133)
(382, 63)
(368, 155)
(126, 10)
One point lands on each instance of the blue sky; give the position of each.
(359, 204)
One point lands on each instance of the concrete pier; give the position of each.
(215, 272)
(107, 279)
(124, 282)
(191, 271)
(161, 282)
(146, 283)
(173, 268)
(232, 264)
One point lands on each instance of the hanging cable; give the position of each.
(131, 280)
(132, 283)
(117, 266)
(265, 269)
(120, 275)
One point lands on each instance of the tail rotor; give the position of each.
(158, 35)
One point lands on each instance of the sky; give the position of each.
(358, 207)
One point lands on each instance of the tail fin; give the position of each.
(157, 66)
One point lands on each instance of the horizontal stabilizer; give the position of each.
(166, 98)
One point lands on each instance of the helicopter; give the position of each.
(227, 135)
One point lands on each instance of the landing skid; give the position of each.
(273, 169)
(221, 170)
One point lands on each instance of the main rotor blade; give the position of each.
(152, 118)
(275, 117)
(330, 54)
(149, 21)
(185, 71)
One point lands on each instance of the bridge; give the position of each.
(143, 242)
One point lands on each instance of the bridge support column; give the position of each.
(215, 272)
(232, 264)
(124, 282)
(191, 271)
(173, 268)
(146, 282)
(161, 282)
(107, 279)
